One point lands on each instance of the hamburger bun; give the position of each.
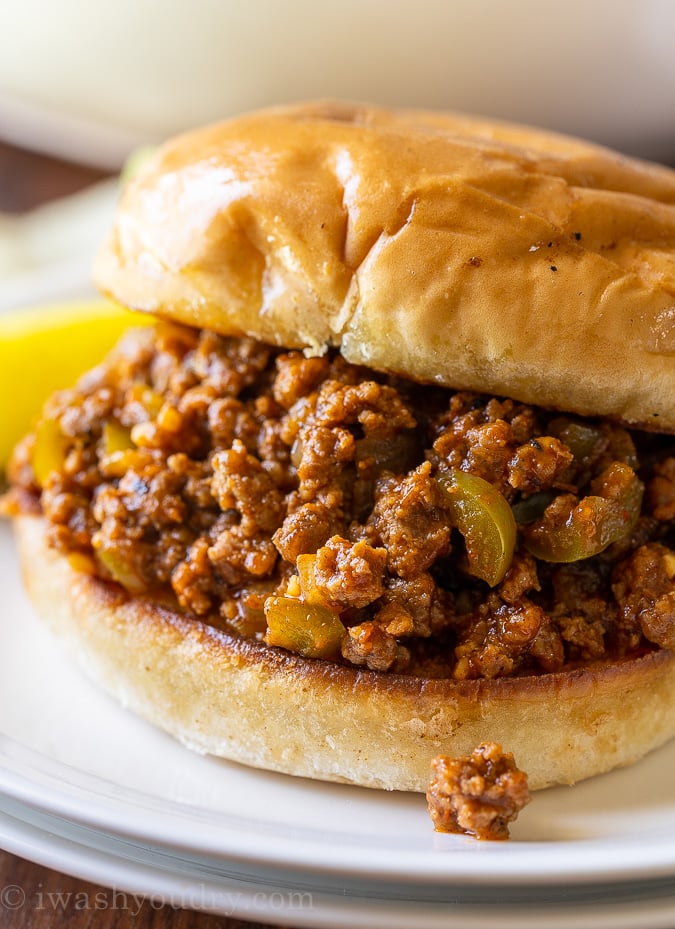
(453, 251)
(433, 248)
(269, 708)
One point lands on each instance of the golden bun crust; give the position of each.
(270, 709)
(452, 250)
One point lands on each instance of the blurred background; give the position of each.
(82, 84)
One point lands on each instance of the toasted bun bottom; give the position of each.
(268, 708)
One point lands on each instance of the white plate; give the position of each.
(135, 809)
(139, 872)
(186, 882)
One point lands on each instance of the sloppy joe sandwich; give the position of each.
(393, 473)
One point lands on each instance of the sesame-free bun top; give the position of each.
(451, 250)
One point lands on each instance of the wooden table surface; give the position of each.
(33, 897)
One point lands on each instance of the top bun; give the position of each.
(456, 251)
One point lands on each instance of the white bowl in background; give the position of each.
(90, 80)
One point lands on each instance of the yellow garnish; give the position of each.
(46, 349)
(486, 521)
(309, 630)
(116, 438)
(49, 451)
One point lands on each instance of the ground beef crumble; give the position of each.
(477, 794)
(221, 472)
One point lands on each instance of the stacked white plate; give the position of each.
(93, 791)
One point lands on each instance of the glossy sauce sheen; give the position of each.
(205, 469)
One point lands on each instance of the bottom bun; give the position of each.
(268, 708)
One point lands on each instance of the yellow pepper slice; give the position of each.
(49, 451)
(116, 438)
(48, 348)
(308, 629)
(581, 439)
(597, 521)
(485, 519)
(121, 569)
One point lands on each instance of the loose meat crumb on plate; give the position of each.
(477, 794)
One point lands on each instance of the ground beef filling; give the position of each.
(478, 794)
(355, 517)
